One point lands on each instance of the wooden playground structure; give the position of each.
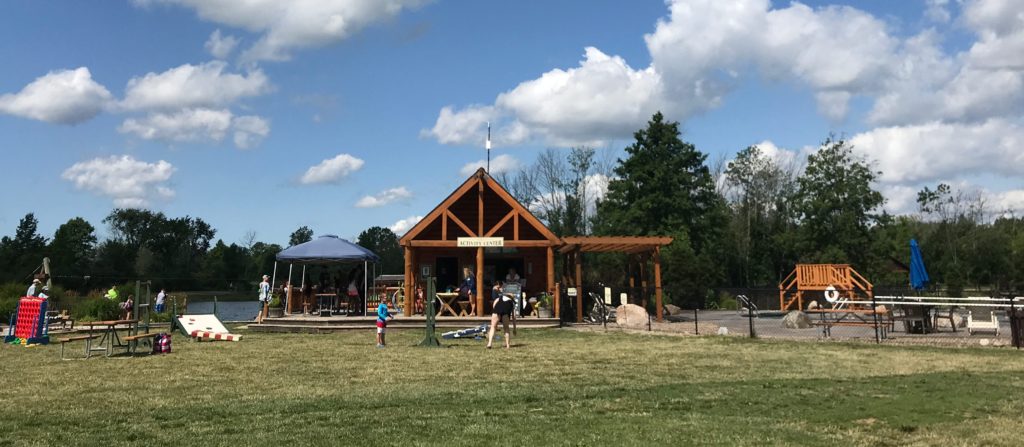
(840, 280)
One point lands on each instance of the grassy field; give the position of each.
(555, 387)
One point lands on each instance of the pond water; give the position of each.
(227, 310)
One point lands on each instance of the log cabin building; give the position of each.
(483, 227)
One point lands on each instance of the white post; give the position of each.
(303, 285)
(288, 293)
(365, 298)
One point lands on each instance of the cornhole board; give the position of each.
(205, 326)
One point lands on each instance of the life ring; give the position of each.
(831, 294)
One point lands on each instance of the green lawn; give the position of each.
(555, 387)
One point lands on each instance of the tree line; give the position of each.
(178, 253)
(744, 222)
(747, 221)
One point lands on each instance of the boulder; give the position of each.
(796, 320)
(631, 316)
(672, 309)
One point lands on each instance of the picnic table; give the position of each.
(107, 330)
(447, 299)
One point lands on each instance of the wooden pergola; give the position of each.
(478, 212)
(640, 249)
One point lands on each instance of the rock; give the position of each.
(723, 331)
(796, 320)
(631, 316)
(984, 342)
(812, 305)
(672, 309)
(881, 309)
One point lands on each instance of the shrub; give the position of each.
(7, 308)
(97, 308)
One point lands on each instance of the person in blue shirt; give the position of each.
(468, 289)
(382, 320)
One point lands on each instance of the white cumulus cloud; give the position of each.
(198, 125)
(501, 164)
(404, 225)
(288, 25)
(384, 197)
(697, 58)
(129, 182)
(220, 46)
(331, 170)
(203, 85)
(60, 97)
(250, 130)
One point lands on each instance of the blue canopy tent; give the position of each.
(918, 275)
(326, 249)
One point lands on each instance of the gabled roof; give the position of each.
(480, 207)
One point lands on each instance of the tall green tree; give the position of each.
(837, 205)
(23, 253)
(73, 246)
(302, 235)
(758, 189)
(384, 243)
(663, 187)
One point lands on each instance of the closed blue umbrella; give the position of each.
(918, 275)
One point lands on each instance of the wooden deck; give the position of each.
(309, 324)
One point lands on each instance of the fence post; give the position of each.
(696, 329)
(750, 319)
(874, 314)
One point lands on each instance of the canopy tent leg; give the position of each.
(288, 294)
(364, 288)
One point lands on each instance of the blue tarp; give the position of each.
(325, 250)
(918, 275)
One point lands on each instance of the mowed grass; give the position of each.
(555, 387)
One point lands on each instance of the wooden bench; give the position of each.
(88, 343)
(133, 340)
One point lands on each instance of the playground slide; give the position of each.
(206, 326)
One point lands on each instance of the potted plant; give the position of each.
(276, 309)
(544, 306)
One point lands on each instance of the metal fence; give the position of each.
(893, 317)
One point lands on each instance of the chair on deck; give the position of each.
(982, 318)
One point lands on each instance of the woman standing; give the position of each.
(468, 288)
(502, 310)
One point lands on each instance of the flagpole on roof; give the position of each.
(488, 145)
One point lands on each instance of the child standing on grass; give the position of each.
(382, 320)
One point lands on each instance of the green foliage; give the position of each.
(384, 243)
(664, 188)
(20, 255)
(95, 308)
(836, 205)
(302, 235)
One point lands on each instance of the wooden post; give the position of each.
(657, 280)
(579, 286)
(480, 281)
(410, 273)
(551, 269)
(558, 301)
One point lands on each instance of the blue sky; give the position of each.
(140, 103)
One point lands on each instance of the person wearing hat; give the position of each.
(32, 287)
(45, 294)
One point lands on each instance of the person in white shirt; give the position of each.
(160, 298)
(32, 288)
(45, 293)
(264, 298)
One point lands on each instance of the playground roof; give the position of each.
(326, 249)
(620, 244)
